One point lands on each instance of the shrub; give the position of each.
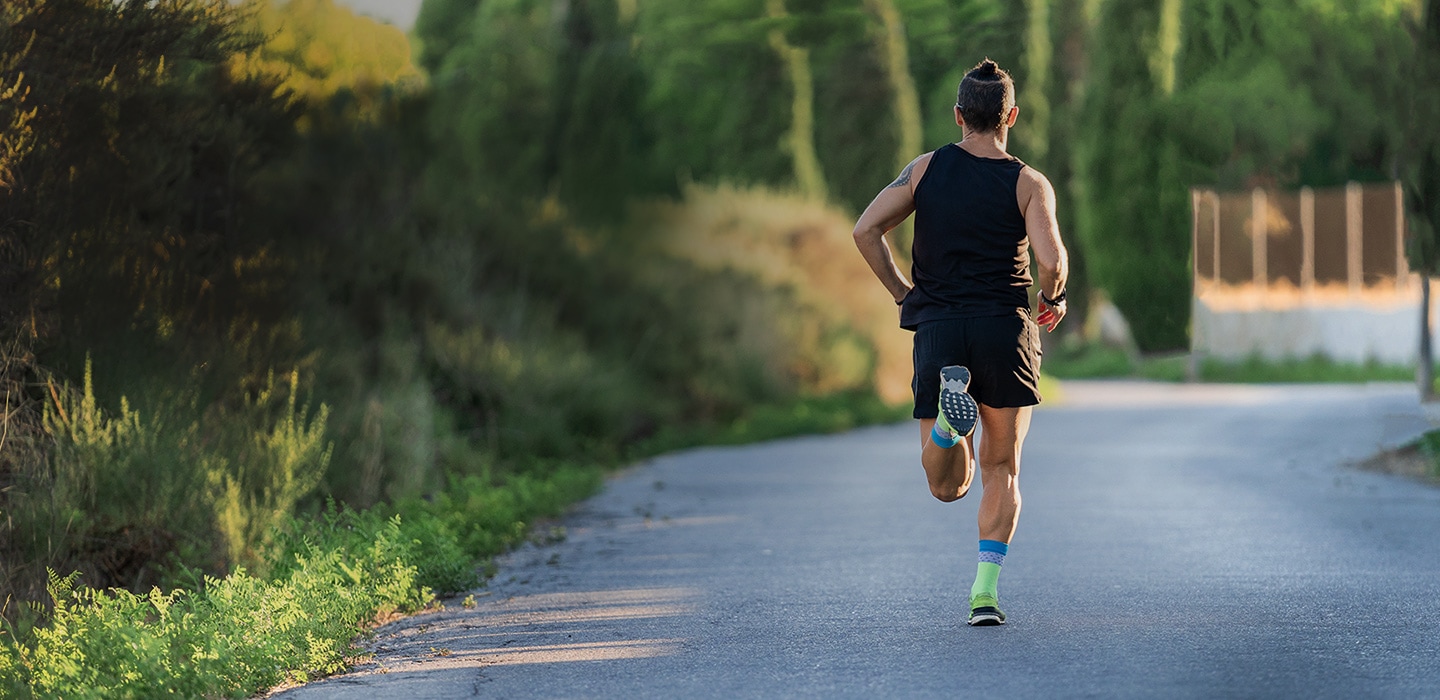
(125, 497)
(238, 635)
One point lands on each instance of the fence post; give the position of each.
(1354, 233)
(1307, 240)
(1401, 269)
(1215, 209)
(1259, 213)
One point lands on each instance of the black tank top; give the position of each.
(971, 255)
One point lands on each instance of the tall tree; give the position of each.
(322, 48)
(441, 26)
(1034, 98)
(799, 141)
(136, 162)
(1421, 174)
(1135, 216)
(892, 43)
(893, 46)
(1421, 169)
(717, 96)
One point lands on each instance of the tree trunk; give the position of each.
(909, 128)
(1033, 130)
(800, 140)
(1163, 61)
(1425, 373)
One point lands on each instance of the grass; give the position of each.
(1428, 446)
(807, 415)
(1316, 369)
(1090, 361)
(230, 638)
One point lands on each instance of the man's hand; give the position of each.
(1050, 315)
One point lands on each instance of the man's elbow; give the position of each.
(867, 235)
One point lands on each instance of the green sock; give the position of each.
(987, 572)
(987, 579)
(943, 425)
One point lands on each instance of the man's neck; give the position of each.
(989, 144)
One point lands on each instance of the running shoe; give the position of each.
(985, 611)
(958, 412)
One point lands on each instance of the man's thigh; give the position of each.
(1002, 432)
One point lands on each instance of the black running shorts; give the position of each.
(1001, 352)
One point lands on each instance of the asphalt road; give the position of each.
(1176, 541)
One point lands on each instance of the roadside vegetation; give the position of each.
(1418, 460)
(1076, 359)
(1428, 446)
(303, 319)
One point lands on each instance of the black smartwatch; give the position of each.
(1058, 300)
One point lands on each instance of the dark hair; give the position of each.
(986, 94)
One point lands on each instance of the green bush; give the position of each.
(236, 636)
(1073, 358)
(126, 497)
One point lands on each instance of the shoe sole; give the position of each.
(960, 409)
(986, 618)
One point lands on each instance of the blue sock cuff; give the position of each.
(941, 440)
(995, 546)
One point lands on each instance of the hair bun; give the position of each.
(987, 67)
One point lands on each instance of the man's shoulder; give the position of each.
(923, 159)
(1029, 173)
(1033, 180)
(915, 171)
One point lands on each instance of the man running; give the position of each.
(978, 211)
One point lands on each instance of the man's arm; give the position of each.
(1043, 228)
(889, 208)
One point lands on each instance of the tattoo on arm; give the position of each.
(904, 178)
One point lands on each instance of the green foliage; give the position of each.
(441, 25)
(420, 540)
(539, 100)
(1135, 212)
(322, 49)
(126, 218)
(1077, 360)
(714, 124)
(239, 635)
(1314, 369)
(1255, 94)
(1422, 160)
(821, 414)
(276, 469)
(1072, 358)
(947, 38)
(1429, 446)
(124, 497)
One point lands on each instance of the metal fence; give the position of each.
(1315, 246)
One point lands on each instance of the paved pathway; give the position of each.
(1177, 541)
